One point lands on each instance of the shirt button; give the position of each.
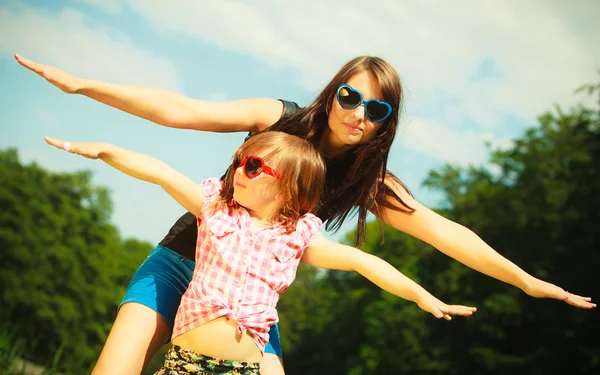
(181, 259)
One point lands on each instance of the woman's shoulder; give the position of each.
(289, 108)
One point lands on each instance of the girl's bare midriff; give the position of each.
(219, 338)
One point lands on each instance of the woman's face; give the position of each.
(351, 126)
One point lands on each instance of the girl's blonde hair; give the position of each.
(303, 172)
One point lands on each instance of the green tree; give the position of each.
(539, 209)
(63, 265)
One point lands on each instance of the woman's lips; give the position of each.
(353, 129)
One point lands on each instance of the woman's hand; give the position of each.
(63, 80)
(85, 149)
(540, 289)
(441, 310)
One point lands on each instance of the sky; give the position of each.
(473, 72)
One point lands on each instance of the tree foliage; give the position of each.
(63, 265)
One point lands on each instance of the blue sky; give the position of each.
(473, 71)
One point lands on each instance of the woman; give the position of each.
(353, 128)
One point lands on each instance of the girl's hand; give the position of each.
(63, 80)
(441, 310)
(85, 149)
(541, 289)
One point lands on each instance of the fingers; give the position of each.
(546, 290)
(458, 310)
(38, 68)
(571, 295)
(439, 314)
(55, 142)
(570, 298)
(446, 311)
(63, 145)
(580, 302)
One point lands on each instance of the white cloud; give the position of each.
(67, 41)
(542, 49)
(233, 25)
(108, 6)
(438, 140)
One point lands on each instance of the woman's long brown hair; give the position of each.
(355, 181)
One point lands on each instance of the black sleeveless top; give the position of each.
(183, 234)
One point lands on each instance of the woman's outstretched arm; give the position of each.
(465, 246)
(165, 107)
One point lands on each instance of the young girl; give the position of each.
(253, 230)
(352, 127)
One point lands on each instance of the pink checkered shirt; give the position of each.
(240, 274)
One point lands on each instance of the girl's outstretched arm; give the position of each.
(165, 107)
(326, 254)
(143, 167)
(465, 246)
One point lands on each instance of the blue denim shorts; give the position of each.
(160, 282)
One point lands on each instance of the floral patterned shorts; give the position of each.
(180, 361)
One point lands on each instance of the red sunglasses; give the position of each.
(254, 166)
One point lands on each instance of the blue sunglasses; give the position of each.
(349, 98)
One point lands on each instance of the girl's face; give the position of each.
(256, 193)
(349, 127)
